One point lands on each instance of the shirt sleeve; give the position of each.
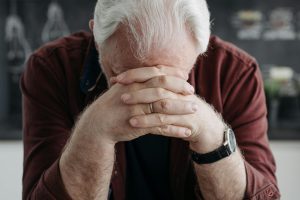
(245, 110)
(46, 129)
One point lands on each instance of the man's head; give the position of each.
(139, 33)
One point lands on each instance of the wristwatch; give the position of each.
(227, 148)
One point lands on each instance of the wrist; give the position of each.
(85, 148)
(90, 128)
(228, 147)
(210, 139)
(88, 139)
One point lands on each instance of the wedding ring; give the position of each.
(151, 108)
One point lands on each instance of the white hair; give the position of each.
(153, 23)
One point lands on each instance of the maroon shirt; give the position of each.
(58, 84)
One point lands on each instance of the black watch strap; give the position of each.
(211, 157)
(225, 150)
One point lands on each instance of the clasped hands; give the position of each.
(159, 100)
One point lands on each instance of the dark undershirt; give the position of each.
(148, 168)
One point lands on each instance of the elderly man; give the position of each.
(150, 110)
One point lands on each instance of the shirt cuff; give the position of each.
(51, 185)
(259, 187)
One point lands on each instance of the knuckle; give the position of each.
(161, 118)
(157, 70)
(159, 67)
(162, 69)
(162, 80)
(160, 130)
(164, 130)
(165, 105)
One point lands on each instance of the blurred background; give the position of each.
(269, 30)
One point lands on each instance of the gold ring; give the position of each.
(151, 108)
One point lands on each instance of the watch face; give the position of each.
(231, 140)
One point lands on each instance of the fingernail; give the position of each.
(125, 97)
(120, 77)
(188, 132)
(133, 122)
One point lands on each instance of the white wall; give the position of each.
(287, 155)
(11, 161)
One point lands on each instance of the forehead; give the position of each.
(120, 53)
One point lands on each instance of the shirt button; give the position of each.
(115, 172)
(269, 192)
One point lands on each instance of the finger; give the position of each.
(171, 131)
(148, 95)
(172, 83)
(165, 106)
(174, 107)
(158, 120)
(146, 73)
